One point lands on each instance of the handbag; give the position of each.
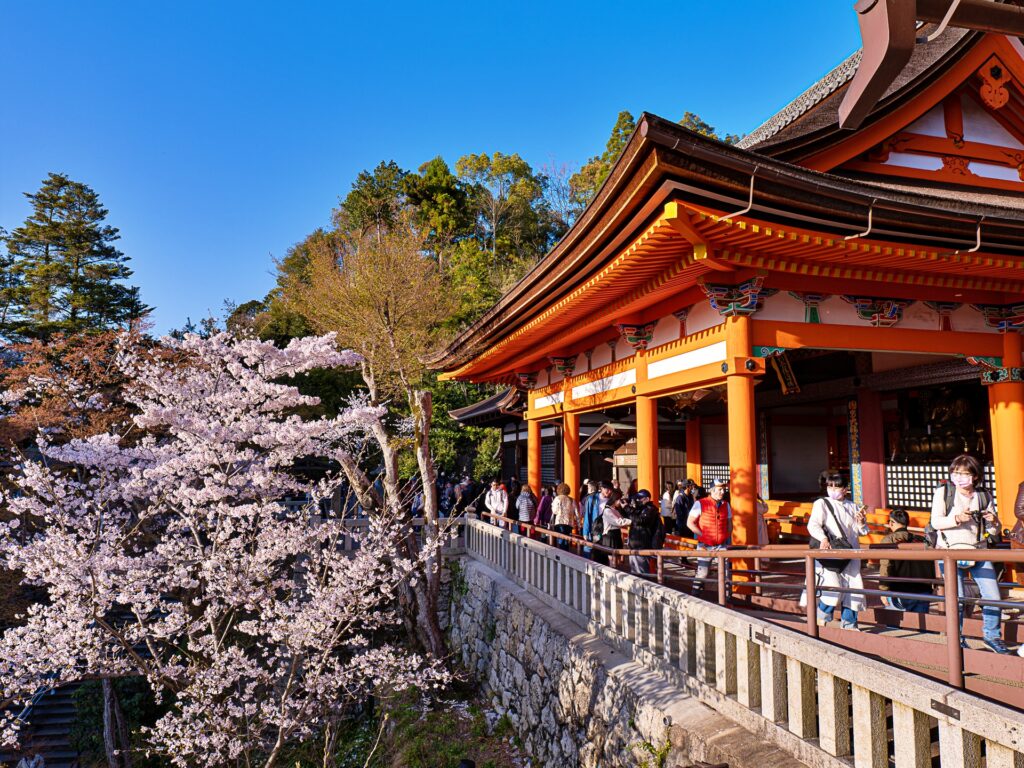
(836, 542)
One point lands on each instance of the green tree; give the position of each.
(508, 203)
(70, 274)
(9, 287)
(440, 205)
(695, 123)
(585, 182)
(374, 201)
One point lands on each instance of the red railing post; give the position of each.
(950, 592)
(812, 600)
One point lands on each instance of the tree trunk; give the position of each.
(115, 729)
(423, 410)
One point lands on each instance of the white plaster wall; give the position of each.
(665, 331)
(581, 364)
(602, 355)
(931, 123)
(782, 307)
(556, 375)
(623, 349)
(908, 160)
(919, 316)
(967, 318)
(980, 126)
(993, 171)
(542, 379)
(835, 311)
(702, 317)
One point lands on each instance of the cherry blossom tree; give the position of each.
(171, 557)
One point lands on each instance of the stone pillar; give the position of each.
(533, 456)
(571, 452)
(1006, 412)
(647, 444)
(872, 447)
(694, 465)
(742, 433)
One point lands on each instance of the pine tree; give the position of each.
(9, 289)
(69, 274)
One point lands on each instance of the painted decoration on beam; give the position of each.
(1002, 375)
(856, 475)
(564, 365)
(945, 310)
(637, 335)
(527, 380)
(881, 313)
(740, 300)
(1002, 317)
(681, 316)
(811, 302)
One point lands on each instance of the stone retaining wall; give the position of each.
(575, 701)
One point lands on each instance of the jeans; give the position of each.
(849, 616)
(984, 575)
(909, 606)
(565, 530)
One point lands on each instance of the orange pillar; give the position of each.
(742, 433)
(1006, 411)
(533, 456)
(647, 444)
(694, 464)
(571, 452)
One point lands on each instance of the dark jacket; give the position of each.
(644, 523)
(905, 569)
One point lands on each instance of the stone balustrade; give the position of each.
(822, 704)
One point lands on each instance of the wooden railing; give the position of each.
(821, 703)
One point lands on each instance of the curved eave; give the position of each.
(666, 162)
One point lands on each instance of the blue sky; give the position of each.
(219, 133)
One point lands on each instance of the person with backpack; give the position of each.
(592, 504)
(905, 569)
(963, 517)
(710, 519)
(836, 523)
(681, 506)
(610, 524)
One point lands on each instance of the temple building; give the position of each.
(812, 298)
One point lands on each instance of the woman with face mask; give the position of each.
(833, 518)
(963, 514)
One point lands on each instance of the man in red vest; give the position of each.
(710, 520)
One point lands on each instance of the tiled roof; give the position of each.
(802, 103)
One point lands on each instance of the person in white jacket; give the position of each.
(496, 501)
(833, 517)
(957, 510)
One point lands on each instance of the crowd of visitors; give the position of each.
(962, 517)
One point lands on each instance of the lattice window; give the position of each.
(711, 472)
(547, 462)
(913, 485)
